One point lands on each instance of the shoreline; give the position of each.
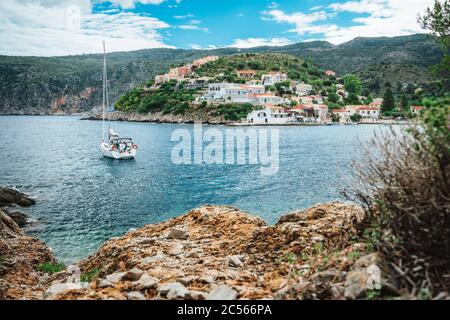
(154, 119)
(208, 253)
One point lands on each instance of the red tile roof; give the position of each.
(369, 108)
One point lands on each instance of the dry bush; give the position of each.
(403, 184)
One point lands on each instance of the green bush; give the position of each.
(235, 111)
(51, 268)
(90, 275)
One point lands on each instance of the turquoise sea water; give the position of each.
(84, 199)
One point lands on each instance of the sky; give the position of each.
(70, 27)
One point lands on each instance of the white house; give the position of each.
(369, 113)
(273, 77)
(303, 89)
(267, 116)
(233, 92)
(269, 99)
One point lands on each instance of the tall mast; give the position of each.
(104, 88)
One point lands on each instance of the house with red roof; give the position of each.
(371, 113)
(417, 109)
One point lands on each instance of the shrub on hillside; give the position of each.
(403, 184)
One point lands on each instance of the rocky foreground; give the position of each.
(213, 252)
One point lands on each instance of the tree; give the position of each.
(356, 117)
(388, 100)
(404, 102)
(333, 97)
(437, 20)
(353, 86)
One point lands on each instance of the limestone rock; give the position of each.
(63, 287)
(173, 290)
(222, 292)
(18, 217)
(178, 233)
(146, 282)
(132, 275)
(369, 273)
(196, 295)
(115, 277)
(10, 197)
(135, 295)
(235, 261)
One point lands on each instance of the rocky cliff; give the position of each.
(20, 255)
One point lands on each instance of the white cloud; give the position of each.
(386, 18)
(303, 22)
(186, 16)
(193, 25)
(42, 28)
(258, 42)
(376, 18)
(127, 4)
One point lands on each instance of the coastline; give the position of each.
(159, 118)
(209, 253)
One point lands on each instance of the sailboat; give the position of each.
(114, 146)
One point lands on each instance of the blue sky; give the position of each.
(51, 27)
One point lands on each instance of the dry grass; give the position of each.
(403, 185)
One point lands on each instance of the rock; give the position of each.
(115, 277)
(369, 273)
(222, 292)
(177, 250)
(196, 295)
(173, 290)
(10, 197)
(185, 281)
(63, 287)
(178, 233)
(135, 295)
(368, 260)
(235, 261)
(103, 283)
(331, 275)
(146, 282)
(132, 275)
(19, 218)
(356, 284)
(156, 257)
(20, 255)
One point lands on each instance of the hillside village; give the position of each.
(283, 91)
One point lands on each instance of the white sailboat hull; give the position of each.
(107, 152)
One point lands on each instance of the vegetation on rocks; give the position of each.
(403, 184)
(50, 267)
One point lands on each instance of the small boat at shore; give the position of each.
(114, 147)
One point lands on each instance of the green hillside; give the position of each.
(69, 84)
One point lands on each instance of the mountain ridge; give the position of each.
(71, 84)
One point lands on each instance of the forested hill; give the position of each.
(34, 85)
